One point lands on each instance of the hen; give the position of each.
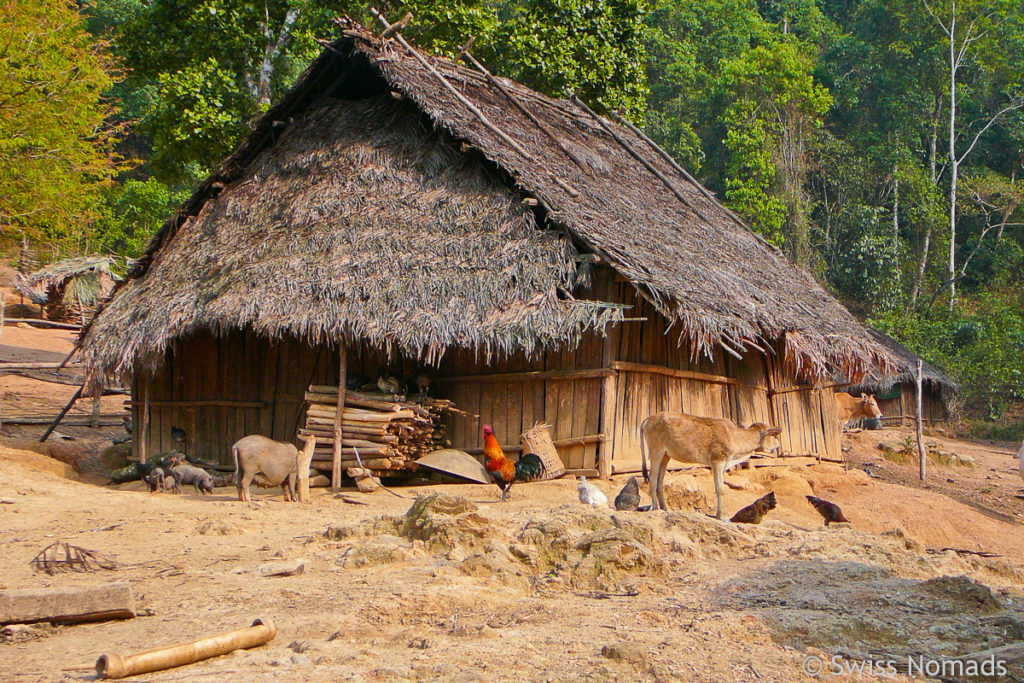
(629, 496)
(590, 494)
(529, 467)
(830, 511)
(755, 512)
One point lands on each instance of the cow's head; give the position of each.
(869, 406)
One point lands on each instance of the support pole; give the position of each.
(609, 385)
(95, 422)
(143, 425)
(336, 464)
(920, 429)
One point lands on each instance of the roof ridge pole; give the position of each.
(464, 52)
(633, 153)
(469, 105)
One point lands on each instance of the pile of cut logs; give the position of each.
(389, 432)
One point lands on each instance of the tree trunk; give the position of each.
(954, 165)
(271, 50)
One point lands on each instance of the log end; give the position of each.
(110, 666)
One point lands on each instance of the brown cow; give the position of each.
(853, 408)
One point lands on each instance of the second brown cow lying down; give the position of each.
(715, 442)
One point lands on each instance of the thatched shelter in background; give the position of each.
(72, 289)
(895, 389)
(546, 264)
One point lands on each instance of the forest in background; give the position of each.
(879, 143)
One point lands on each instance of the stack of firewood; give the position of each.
(389, 432)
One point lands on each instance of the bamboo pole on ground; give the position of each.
(921, 456)
(61, 414)
(261, 632)
(338, 415)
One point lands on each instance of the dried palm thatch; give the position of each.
(60, 556)
(904, 369)
(71, 286)
(363, 217)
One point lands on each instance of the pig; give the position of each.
(170, 485)
(155, 480)
(199, 478)
(267, 463)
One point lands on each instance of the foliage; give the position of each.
(56, 149)
(134, 211)
(594, 48)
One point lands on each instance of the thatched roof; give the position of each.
(98, 271)
(326, 222)
(904, 369)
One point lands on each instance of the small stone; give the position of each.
(368, 484)
(625, 651)
(300, 646)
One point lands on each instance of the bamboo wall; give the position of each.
(594, 396)
(901, 410)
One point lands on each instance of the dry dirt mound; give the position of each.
(15, 463)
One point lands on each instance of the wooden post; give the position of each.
(921, 456)
(95, 422)
(606, 448)
(3, 311)
(68, 605)
(336, 464)
(143, 425)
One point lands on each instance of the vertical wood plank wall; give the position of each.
(257, 386)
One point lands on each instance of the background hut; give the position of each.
(895, 390)
(545, 265)
(72, 289)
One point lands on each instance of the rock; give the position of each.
(965, 591)
(895, 451)
(219, 527)
(384, 550)
(679, 496)
(614, 546)
(293, 568)
(443, 521)
(368, 484)
(737, 482)
(300, 646)
(625, 651)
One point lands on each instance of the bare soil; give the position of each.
(456, 586)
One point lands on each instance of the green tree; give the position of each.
(56, 149)
(202, 69)
(594, 48)
(775, 110)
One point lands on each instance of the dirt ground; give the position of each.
(456, 586)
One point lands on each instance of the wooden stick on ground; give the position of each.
(261, 632)
(60, 416)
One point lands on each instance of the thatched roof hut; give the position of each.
(70, 288)
(895, 389)
(401, 202)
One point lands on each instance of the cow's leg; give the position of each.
(718, 470)
(662, 469)
(655, 464)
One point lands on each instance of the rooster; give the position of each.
(528, 468)
(830, 511)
